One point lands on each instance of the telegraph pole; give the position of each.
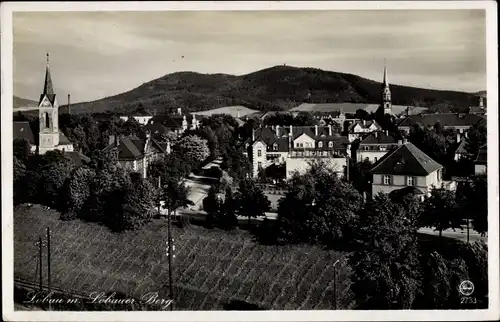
(48, 262)
(40, 261)
(335, 283)
(170, 259)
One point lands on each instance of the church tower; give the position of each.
(48, 112)
(386, 94)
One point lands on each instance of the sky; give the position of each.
(99, 54)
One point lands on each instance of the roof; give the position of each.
(229, 110)
(156, 128)
(461, 147)
(77, 157)
(379, 137)
(166, 120)
(363, 125)
(22, 130)
(268, 136)
(132, 148)
(446, 119)
(406, 159)
(477, 110)
(63, 140)
(482, 155)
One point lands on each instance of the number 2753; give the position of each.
(468, 300)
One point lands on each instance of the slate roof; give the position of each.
(22, 130)
(446, 119)
(156, 129)
(482, 155)
(268, 136)
(406, 159)
(379, 137)
(132, 148)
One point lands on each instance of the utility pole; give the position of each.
(48, 262)
(468, 221)
(170, 259)
(335, 283)
(40, 261)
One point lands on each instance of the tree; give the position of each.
(52, 178)
(250, 200)
(440, 210)
(385, 261)
(362, 115)
(175, 194)
(431, 143)
(138, 206)
(19, 172)
(21, 149)
(193, 148)
(228, 218)
(78, 190)
(318, 207)
(472, 200)
(476, 137)
(212, 204)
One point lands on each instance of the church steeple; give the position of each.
(386, 92)
(47, 86)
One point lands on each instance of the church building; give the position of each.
(49, 136)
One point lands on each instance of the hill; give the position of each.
(23, 102)
(275, 88)
(213, 268)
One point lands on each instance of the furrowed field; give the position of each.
(213, 268)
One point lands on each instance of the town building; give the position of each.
(373, 147)
(481, 161)
(461, 122)
(358, 128)
(407, 166)
(49, 137)
(142, 117)
(136, 154)
(178, 123)
(297, 147)
(480, 109)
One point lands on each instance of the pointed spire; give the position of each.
(386, 82)
(47, 87)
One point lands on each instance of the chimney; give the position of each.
(253, 135)
(330, 129)
(458, 137)
(386, 133)
(400, 142)
(290, 134)
(364, 122)
(376, 134)
(179, 111)
(466, 135)
(69, 104)
(117, 140)
(316, 130)
(481, 102)
(277, 131)
(405, 140)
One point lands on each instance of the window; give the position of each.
(387, 179)
(275, 146)
(259, 153)
(330, 144)
(259, 165)
(320, 144)
(325, 153)
(410, 181)
(382, 148)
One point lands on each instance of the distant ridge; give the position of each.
(23, 102)
(275, 88)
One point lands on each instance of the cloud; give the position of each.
(96, 54)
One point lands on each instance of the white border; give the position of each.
(492, 313)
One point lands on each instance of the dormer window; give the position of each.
(330, 144)
(320, 144)
(275, 146)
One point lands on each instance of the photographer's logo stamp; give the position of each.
(466, 288)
